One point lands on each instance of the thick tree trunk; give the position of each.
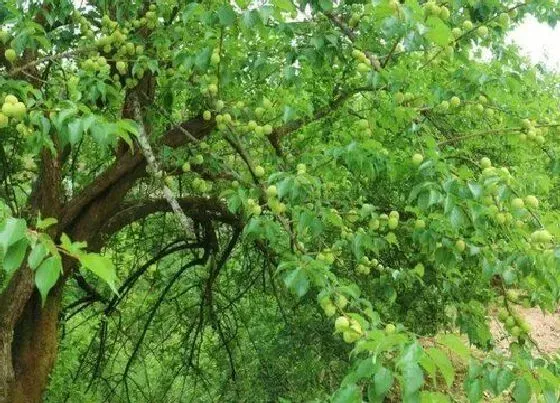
(34, 346)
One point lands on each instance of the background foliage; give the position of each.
(385, 169)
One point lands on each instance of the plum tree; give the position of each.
(194, 193)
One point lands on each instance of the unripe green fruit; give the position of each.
(206, 115)
(455, 102)
(259, 171)
(10, 55)
(169, 181)
(267, 129)
(510, 321)
(4, 36)
(259, 130)
(186, 167)
(252, 125)
(341, 301)
(10, 99)
(444, 105)
(393, 223)
(483, 31)
(485, 162)
(19, 110)
(197, 159)
(503, 19)
(419, 269)
(467, 25)
(417, 159)
(515, 331)
(213, 88)
(518, 203)
(350, 336)
(259, 112)
(457, 32)
(363, 68)
(363, 123)
(363, 269)
(444, 13)
(541, 236)
(215, 58)
(512, 295)
(479, 108)
(301, 169)
(329, 309)
(272, 191)
(420, 224)
(373, 224)
(219, 105)
(489, 112)
(3, 121)
(394, 214)
(121, 67)
(341, 324)
(399, 97)
(503, 315)
(460, 245)
(501, 218)
(532, 201)
(8, 109)
(390, 328)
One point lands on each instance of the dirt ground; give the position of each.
(545, 330)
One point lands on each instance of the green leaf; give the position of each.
(439, 32)
(102, 267)
(433, 397)
(47, 274)
(455, 344)
(11, 232)
(226, 15)
(297, 281)
(75, 131)
(474, 391)
(284, 5)
(348, 394)
(443, 363)
(15, 255)
(46, 223)
(522, 391)
(383, 381)
(38, 253)
(412, 379)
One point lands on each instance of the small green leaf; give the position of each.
(522, 391)
(47, 274)
(455, 344)
(46, 223)
(444, 365)
(474, 391)
(297, 281)
(11, 232)
(383, 380)
(226, 15)
(102, 267)
(38, 253)
(15, 255)
(348, 394)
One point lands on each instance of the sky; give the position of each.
(539, 42)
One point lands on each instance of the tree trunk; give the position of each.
(34, 346)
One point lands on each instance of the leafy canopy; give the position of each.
(392, 163)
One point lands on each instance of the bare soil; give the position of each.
(545, 330)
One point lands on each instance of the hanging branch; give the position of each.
(154, 168)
